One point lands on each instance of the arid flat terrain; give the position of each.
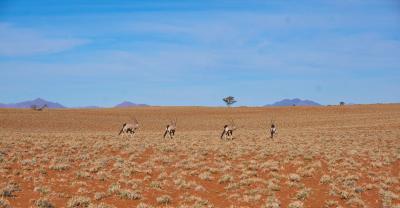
(331, 156)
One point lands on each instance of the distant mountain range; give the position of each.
(39, 102)
(27, 104)
(294, 102)
(129, 104)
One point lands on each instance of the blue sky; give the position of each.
(171, 52)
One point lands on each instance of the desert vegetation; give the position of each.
(336, 156)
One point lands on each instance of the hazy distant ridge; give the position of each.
(295, 101)
(27, 104)
(129, 104)
(40, 102)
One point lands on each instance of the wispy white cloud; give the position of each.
(19, 41)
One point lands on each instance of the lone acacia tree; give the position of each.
(229, 100)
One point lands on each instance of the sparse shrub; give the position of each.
(143, 205)
(307, 172)
(155, 185)
(213, 170)
(234, 196)
(102, 176)
(273, 186)
(4, 203)
(294, 177)
(114, 188)
(296, 204)
(303, 194)
(78, 202)
(59, 166)
(127, 172)
(377, 164)
(164, 199)
(225, 178)
(292, 184)
(42, 171)
(181, 183)
(275, 175)
(202, 203)
(42, 189)
(272, 202)
(199, 188)
(28, 162)
(95, 169)
(308, 157)
(251, 198)
(369, 186)
(387, 197)
(99, 195)
(344, 194)
(9, 189)
(206, 176)
(331, 203)
(43, 203)
(325, 179)
(82, 190)
(128, 194)
(355, 201)
(245, 182)
(270, 165)
(358, 190)
(82, 174)
(101, 205)
(350, 181)
(232, 186)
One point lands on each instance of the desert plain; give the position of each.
(327, 156)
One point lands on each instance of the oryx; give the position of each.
(170, 129)
(130, 128)
(228, 130)
(272, 129)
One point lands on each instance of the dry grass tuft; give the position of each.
(164, 199)
(78, 202)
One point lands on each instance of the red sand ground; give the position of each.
(356, 147)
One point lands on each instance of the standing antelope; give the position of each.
(130, 128)
(273, 130)
(171, 127)
(228, 131)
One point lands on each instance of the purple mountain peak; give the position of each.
(129, 104)
(295, 102)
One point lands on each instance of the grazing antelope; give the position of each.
(130, 128)
(228, 131)
(272, 130)
(34, 107)
(170, 130)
